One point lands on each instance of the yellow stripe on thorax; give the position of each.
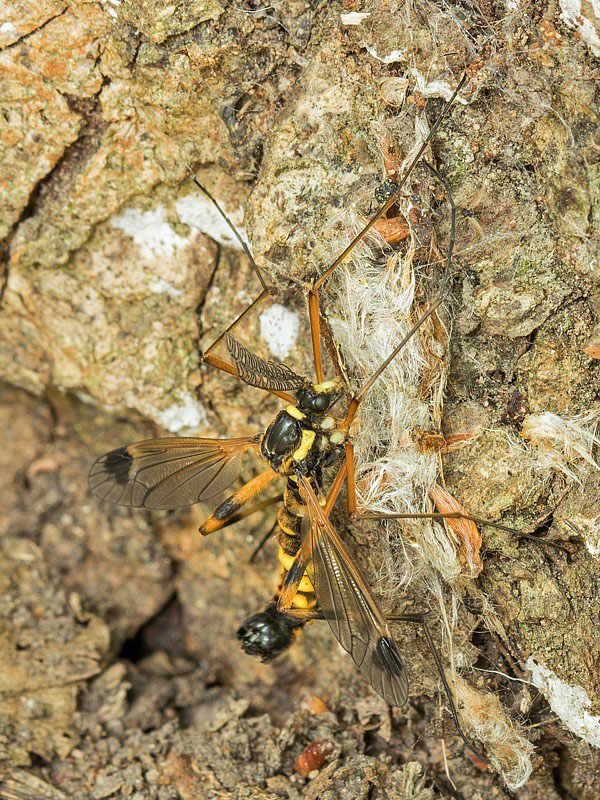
(308, 438)
(326, 386)
(295, 412)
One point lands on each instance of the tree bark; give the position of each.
(120, 672)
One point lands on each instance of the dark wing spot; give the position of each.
(387, 657)
(117, 464)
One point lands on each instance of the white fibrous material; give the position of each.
(354, 17)
(435, 88)
(378, 302)
(376, 293)
(563, 444)
(484, 718)
(392, 474)
(395, 55)
(379, 298)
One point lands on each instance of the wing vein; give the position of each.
(168, 473)
(349, 606)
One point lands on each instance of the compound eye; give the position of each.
(321, 402)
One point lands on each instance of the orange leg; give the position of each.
(319, 328)
(351, 482)
(315, 325)
(336, 487)
(225, 366)
(390, 202)
(224, 514)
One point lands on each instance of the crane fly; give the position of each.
(319, 578)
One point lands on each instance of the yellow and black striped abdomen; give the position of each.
(271, 631)
(305, 596)
(289, 520)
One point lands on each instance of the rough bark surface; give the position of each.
(120, 673)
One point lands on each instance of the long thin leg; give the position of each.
(225, 366)
(452, 205)
(356, 400)
(229, 508)
(307, 615)
(233, 228)
(315, 326)
(434, 515)
(215, 361)
(390, 202)
(351, 481)
(253, 305)
(264, 539)
(421, 619)
(315, 332)
(313, 296)
(458, 515)
(329, 343)
(319, 328)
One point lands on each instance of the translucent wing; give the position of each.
(168, 473)
(348, 605)
(264, 374)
